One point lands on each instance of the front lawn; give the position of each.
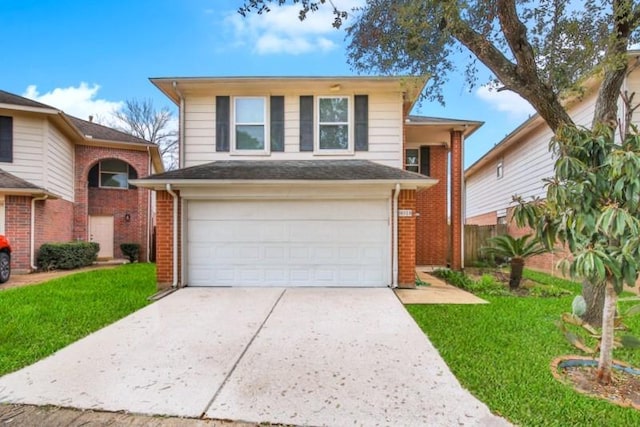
(36, 321)
(501, 352)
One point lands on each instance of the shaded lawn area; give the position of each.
(36, 321)
(501, 352)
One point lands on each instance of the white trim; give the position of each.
(350, 127)
(267, 141)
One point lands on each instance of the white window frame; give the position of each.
(350, 127)
(267, 140)
(100, 171)
(500, 168)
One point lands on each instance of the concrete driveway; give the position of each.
(295, 356)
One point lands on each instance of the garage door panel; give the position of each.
(288, 243)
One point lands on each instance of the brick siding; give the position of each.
(18, 231)
(490, 218)
(164, 240)
(432, 241)
(457, 171)
(407, 240)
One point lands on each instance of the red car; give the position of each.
(5, 259)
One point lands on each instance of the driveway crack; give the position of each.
(246, 348)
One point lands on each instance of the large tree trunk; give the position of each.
(605, 362)
(593, 295)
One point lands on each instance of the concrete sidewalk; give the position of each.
(294, 356)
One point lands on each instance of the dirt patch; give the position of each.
(624, 389)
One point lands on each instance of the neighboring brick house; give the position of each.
(518, 164)
(65, 179)
(307, 181)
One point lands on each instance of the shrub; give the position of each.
(131, 251)
(487, 284)
(67, 256)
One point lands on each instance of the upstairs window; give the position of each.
(333, 124)
(6, 139)
(250, 118)
(500, 168)
(112, 173)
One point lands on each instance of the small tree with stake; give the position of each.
(593, 207)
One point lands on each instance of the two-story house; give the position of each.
(307, 181)
(518, 164)
(64, 179)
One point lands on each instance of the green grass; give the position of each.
(502, 352)
(36, 321)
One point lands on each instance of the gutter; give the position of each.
(32, 250)
(174, 284)
(394, 258)
(181, 121)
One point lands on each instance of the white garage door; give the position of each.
(289, 243)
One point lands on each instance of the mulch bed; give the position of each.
(624, 389)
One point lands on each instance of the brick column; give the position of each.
(18, 231)
(407, 240)
(457, 170)
(164, 240)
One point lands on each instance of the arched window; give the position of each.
(112, 173)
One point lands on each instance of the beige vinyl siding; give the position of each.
(59, 164)
(385, 132)
(525, 165)
(28, 149)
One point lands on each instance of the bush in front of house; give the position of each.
(67, 256)
(131, 251)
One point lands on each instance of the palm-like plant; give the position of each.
(516, 250)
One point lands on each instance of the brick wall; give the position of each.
(432, 244)
(112, 201)
(164, 239)
(407, 240)
(457, 171)
(53, 221)
(18, 231)
(490, 218)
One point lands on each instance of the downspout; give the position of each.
(180, 126)
(32, 251)
(174, 284)
(394, 257)
(149, 219)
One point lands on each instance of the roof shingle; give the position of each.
(98, 131)
(8, 181)
(312, 170)
(12, 99)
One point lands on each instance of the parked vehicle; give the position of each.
(5, 259)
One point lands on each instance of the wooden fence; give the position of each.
(476, 237)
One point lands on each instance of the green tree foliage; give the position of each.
(593, 207)
(516, 250)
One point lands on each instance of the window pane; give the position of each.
(115, 180)
(249, 137)
(113, 165)
(249, 110)
(334, 137)
(334, 110)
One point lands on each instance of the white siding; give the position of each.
(60, 175)
(28, 149)
(385, 132)
(526, 164)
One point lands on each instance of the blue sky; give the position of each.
(87, 57)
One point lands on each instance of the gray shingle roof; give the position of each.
(312, 170)
(8, 181)
(12, 99)
(98, 131)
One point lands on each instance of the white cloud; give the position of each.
(81, 101)
(505, 101)
(280, 31)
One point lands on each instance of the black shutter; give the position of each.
(223, 118)
(306, 123)
(6, 139)
(425, 152)
(361, 131)
(277, 123)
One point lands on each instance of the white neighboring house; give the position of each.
(518, 164)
